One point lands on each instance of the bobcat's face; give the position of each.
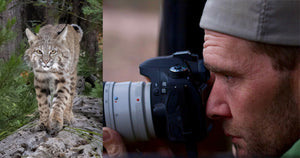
(50, 50)
(47, 57)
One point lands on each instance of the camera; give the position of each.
(170, 106)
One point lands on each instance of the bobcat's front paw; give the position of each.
(38, 128)
(54, 128)
(69, 122)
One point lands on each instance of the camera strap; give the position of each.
(188, 124)
(191, 149)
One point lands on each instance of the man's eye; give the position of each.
(228, 77)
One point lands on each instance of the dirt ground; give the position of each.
(130, 37)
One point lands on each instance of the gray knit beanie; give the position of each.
(267, 21)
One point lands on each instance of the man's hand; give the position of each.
(115, 146)
(113, 143)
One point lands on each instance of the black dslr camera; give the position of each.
(168, 107)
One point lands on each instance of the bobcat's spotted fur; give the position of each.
(53, 54)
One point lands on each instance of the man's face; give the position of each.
(254, 102)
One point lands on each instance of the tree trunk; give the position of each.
(14, 9)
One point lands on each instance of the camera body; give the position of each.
(177, 82)
(169, 107)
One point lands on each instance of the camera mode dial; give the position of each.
(178, 71)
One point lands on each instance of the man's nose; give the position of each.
(217, 106)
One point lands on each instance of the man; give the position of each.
(252, 48)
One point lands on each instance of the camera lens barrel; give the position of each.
(127, 109)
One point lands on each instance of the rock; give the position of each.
(82, 139)
(80, 85)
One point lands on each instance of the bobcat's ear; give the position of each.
(62, 36)
(78, 31)
(31, 36)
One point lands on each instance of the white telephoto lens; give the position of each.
(127, 109)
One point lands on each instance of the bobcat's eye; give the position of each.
(38, 51)
(53, 52)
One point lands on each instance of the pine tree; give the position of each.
(94, 12)
(17, 96)
(5, 31)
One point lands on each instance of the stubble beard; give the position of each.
(274, 132)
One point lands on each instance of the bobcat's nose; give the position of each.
(46, 61)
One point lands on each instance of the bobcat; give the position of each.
(53, 54)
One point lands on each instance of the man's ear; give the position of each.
(62, 36)
(30, 36)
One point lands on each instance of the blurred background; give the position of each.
(130, 36)
(130, 31)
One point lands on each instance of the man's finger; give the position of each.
(113, 143)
